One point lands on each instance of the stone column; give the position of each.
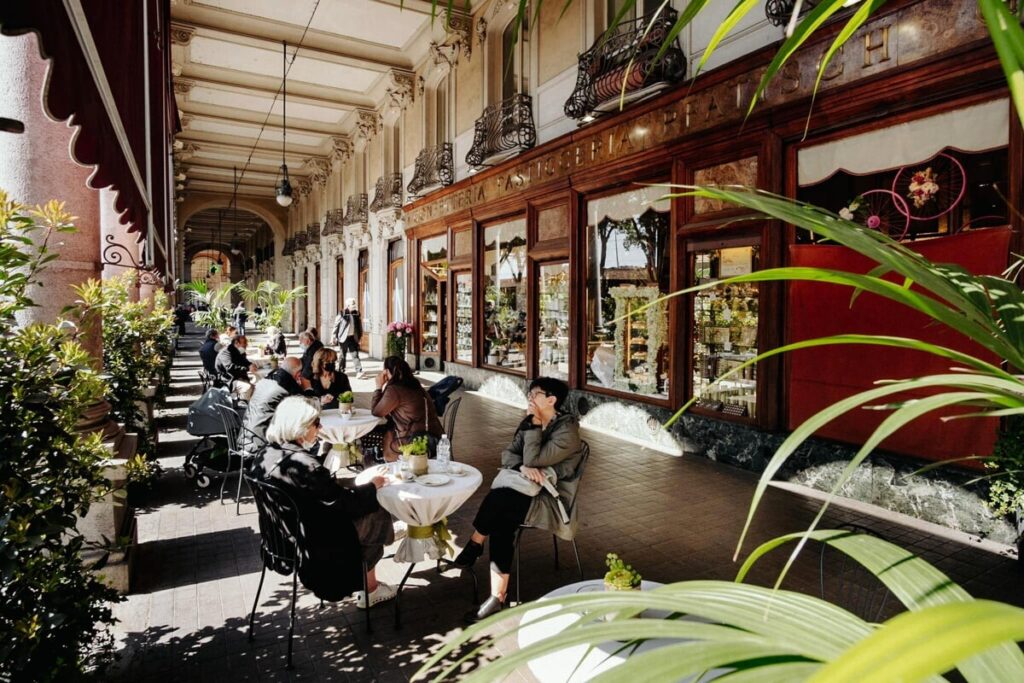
(36, 167)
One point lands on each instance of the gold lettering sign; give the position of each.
(916, 32)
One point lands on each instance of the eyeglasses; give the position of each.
(534, 395)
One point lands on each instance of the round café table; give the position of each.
(342, 431)
(425, 509)
(584, 662)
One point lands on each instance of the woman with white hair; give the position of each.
(342, 525)
(275, 342)
(348, 330)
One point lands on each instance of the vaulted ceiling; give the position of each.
(227, 62)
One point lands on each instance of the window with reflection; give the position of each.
(433, 274)
(396, 280)
(725, 325)
(464, 317)
(627, 269)
(504, 281)
(553, 320)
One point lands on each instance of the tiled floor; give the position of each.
(197, 564)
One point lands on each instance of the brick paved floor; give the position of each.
(197, 564)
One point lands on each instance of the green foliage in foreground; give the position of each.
(771, 635)
(53, 612)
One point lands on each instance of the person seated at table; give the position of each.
(328, 383)
(230, 333)
(310, 345)
(276, 344)
(208, 352)
(405, 403)
(341, 525)
(233, 367)
(547, 437)
(279, 384)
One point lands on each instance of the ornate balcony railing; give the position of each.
(435, 167)
(313, 234)
(289, 247)
(356, 209)
(333, 223)
(301, 240)
(388, 194)
(503, 129)
(628, 53)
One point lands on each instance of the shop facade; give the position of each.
(534, 266)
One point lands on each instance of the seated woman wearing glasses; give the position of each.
(340, 524)
(547, 437)
(328, 384)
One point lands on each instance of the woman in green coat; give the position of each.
(546, 438)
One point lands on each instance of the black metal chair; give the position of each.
(449, 422)
(238, 442)
(281, 538)
(570, 510)
(848, 584)
(205, 378)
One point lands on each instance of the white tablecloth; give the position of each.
(419, 505)
(581, 662)
(335, 429)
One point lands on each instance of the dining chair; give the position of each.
(281, 537)
(204, 377)
(449, 422)
(238, 441)
(570, 510)
(847, 583)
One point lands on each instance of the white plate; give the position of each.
(433, 479)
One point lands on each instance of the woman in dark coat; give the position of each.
(342, 525)
(327, 383)
(409, 409)
(546, 438)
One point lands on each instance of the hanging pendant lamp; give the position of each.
(284, 186)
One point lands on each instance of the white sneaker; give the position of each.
(383, 593)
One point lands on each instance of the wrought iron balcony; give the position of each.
(435, 167)
(388, 194)
(313, 234)
(504, 128)
(628, 53)
(334, 222)
(289, 247)
(301, 240)
(779, 12)
(356, 209)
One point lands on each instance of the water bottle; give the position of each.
(444, 453)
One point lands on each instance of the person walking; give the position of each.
(348, 330)
(239, 316)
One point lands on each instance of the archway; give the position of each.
(211, 265)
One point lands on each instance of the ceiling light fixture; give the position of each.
(284, 187)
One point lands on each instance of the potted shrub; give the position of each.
(620, 576)
(415, 451)
(140, 474)
(345, 402)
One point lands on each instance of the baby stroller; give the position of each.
(211, 453)
(441, 391)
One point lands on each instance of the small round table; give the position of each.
(423, 508)
(583, 662)
(337, 429)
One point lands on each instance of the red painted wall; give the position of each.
(822, 376)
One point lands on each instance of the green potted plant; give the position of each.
(620, 576)
(345, 402)
(415, 451)
(140, 474)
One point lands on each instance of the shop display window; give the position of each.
(553, 320)
(725, 327)
(464, 317)
(628, 267)
(505, 294)
(396, 280)
(433, 274)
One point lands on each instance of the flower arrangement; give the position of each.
(923, 187)
(398, 333)
(620, 576)
(859, 211)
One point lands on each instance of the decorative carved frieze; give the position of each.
(444, 54)
(186, 120)
(319, 169)
(187, 151)
(182, 86)
(367, 123)
(481, 31)
(303, 187)
(421, 85)
(401, 92)
(341, 148)
(181, 34)
(386, 222)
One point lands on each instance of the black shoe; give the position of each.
(469, 555)
(491, 605)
